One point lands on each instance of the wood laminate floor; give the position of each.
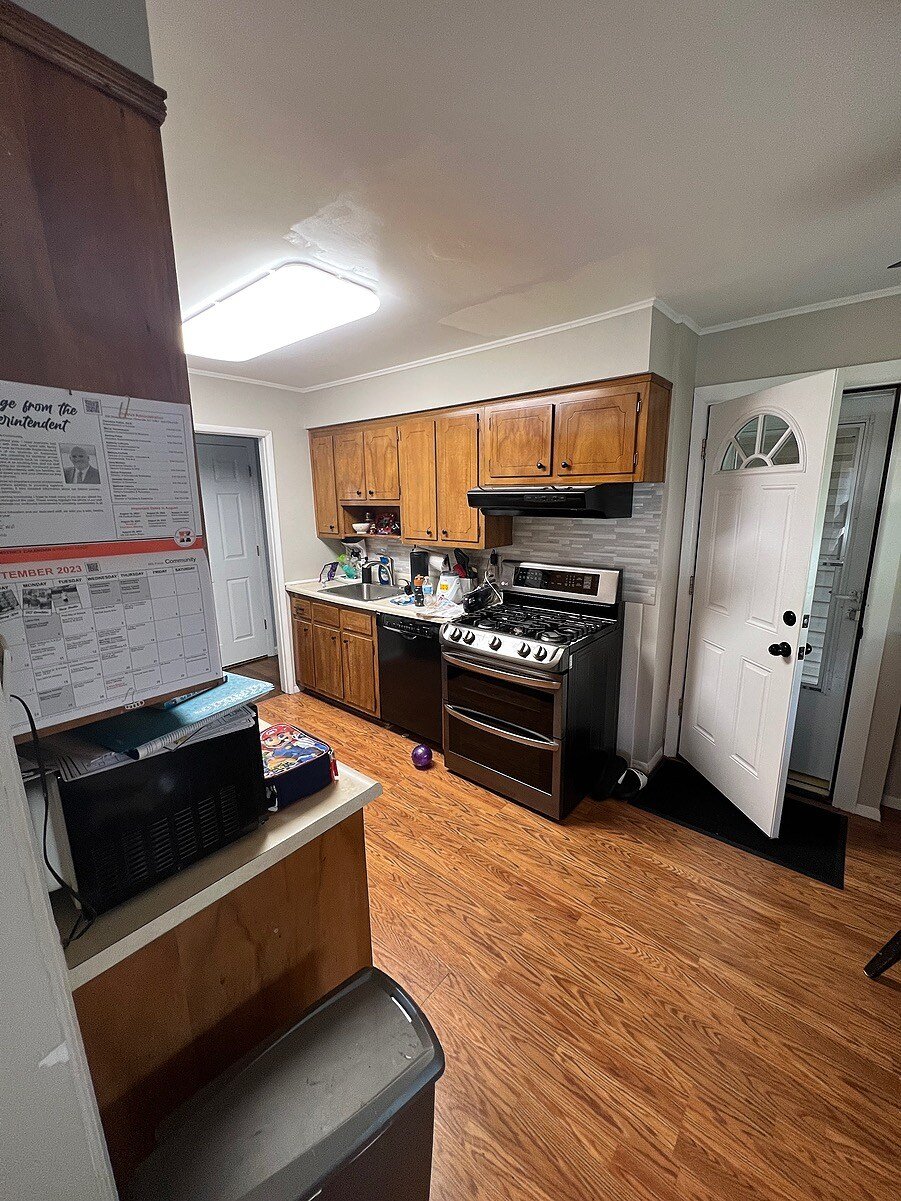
(631, 1010)
(261, 669)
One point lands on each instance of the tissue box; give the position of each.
(295, 764)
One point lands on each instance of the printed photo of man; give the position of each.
(81, 470)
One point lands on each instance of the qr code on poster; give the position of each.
(92, 406)
(91, 567)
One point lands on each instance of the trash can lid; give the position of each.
(280, 1124)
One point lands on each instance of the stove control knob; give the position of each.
(540, 653)
(456, 634)
(525, 650)
(469, 637)
(495, 643)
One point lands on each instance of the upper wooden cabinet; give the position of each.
(609, 431)
(350, 471)
(614, 431)
(418, 481)
(457, 459)
(380, 456)
(596, 436)
(325, 503)
(517, 441)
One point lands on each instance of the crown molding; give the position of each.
(801, 310)
(676, 318)
(246, 379)
(23, 29)
(481, 347)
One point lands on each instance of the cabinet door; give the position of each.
(350, 476)
(327, 660)
(517, 442)
(380, 455)
(416, 451)
(325, 504)
(358, 658)
(304, 663)
(457, 455)
(595, 436)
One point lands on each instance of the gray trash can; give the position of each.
(340, 1108)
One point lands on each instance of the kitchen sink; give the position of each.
(364, 592)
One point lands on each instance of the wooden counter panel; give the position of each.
(167, 1020)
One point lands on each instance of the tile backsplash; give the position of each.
(631, 543)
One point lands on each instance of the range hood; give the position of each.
(570, 500)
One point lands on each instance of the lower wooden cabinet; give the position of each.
(358, 661)
(327, 661)
(335, 653)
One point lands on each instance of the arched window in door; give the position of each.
(763, 441)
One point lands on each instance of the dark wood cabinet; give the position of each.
(327, 661)
(325, 503)
(416, 446)
(350, 470)
(358, 661)
(335, 652)
(596, 437)
(457, 458)
(517, 442)
(380, 457)
(304, 668)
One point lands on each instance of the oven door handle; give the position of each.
(510, 676)
(533, 740)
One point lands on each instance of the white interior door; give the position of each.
(230, 486)
(761, 514)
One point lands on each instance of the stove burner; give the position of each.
(553, 636)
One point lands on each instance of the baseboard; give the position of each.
(891, 802)
(873, 812)
(648, 767)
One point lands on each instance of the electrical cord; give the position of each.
(86, 916)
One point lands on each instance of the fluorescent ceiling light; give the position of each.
(291, 302)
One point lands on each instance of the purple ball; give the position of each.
(421, 756)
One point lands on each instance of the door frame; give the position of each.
(272, 533)
(873, 706)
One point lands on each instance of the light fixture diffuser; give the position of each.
(291, 302)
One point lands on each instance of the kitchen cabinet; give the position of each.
(358, 662)
(596, 437)
(327, 661)
(380, 461)
(335, 652)
(457, 461)
(418, 480)
(350, 471)
(518, 441)
(304, 669)
(325, 502)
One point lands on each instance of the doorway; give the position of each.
(856, 482)
(234, 513)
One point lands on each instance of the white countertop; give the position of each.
(117, 934)
(313, 590)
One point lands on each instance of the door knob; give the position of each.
(781, 648)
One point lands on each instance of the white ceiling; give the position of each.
(499, 168)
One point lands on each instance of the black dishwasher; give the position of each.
(410, 675)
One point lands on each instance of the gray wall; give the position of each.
(117, 28)
(868, 331)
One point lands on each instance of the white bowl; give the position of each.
(361, 527)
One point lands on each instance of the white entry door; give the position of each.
(230, 486)
(761, 514)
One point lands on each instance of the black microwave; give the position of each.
(134, 825)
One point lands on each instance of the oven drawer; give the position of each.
(519, 763)
(532, 703)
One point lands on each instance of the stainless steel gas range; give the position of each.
(531, 685)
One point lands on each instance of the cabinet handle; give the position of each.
(359, 493)
(540, 465)
(565, 464)
(370, 492)
(444, 533)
